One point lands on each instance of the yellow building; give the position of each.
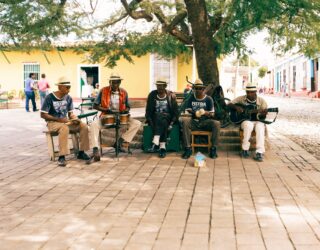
(139, 78)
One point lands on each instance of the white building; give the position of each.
(296, 75)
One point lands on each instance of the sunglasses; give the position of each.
(199, 88)
(68, 87)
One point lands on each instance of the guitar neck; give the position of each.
(254, 111)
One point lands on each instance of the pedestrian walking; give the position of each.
(43, 86)
(29, 90)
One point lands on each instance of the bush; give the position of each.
(22, 95)
(12, 94)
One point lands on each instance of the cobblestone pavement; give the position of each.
(299, 119)
(142, 202)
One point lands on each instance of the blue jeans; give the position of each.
(43, 95)
(30, 96)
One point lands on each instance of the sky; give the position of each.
(262, 50)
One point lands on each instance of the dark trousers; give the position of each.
(30, 96)
(188, 124)
(160, 125)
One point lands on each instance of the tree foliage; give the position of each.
(244, 61)
(213, 27)
(262, 71)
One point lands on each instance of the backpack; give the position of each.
(220, 106)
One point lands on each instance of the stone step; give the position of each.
(229, 147)
(229, 139)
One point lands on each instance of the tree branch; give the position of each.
(141, 14)
(171, 27)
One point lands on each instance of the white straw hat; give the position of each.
(64, 81)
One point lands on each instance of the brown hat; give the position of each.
(63, 81)
(198, 83)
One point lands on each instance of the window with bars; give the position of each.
(166, 69)
(31, 68)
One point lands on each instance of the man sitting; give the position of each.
(112, 99)
(251, 98)
(202, 109)
(161, 113)
(55, 109)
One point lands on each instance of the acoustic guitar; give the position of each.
(250, 113)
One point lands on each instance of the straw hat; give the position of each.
(251, 87)
(115, 77)
(198, 83)
(161, 81)
(63, 81)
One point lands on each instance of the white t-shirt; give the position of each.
(114, 100)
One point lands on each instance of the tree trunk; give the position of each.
(202, 42)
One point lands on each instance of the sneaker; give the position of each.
(35, 110)
(153, 149)
(245, 154)
(258, 157)
(187, 153)
(213, 153)
(162, 153)
(96, 154)
(83, 156)
(62, 161)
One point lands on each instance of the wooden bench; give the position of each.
(53, 153)
(204, 145)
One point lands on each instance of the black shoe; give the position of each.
(258, 157)
(96, 154)
(83, 156)
(35, 110)
(213, 153)
(187, 153)
(245, 154)
(162, 153)
(153, 149)
(62, 161)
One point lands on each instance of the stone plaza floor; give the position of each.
(143, 202)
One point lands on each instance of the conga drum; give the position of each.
(124, 119)
(108, 120)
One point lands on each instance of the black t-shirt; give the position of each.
(57, 107)
(162, 105)
(195, 104)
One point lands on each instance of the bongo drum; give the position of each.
(108, 120)
(124, 119)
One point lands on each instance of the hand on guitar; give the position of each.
(263, 112)
(239, 109)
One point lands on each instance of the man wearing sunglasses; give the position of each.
(113, 99)
(201, 107)
(57, 112)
